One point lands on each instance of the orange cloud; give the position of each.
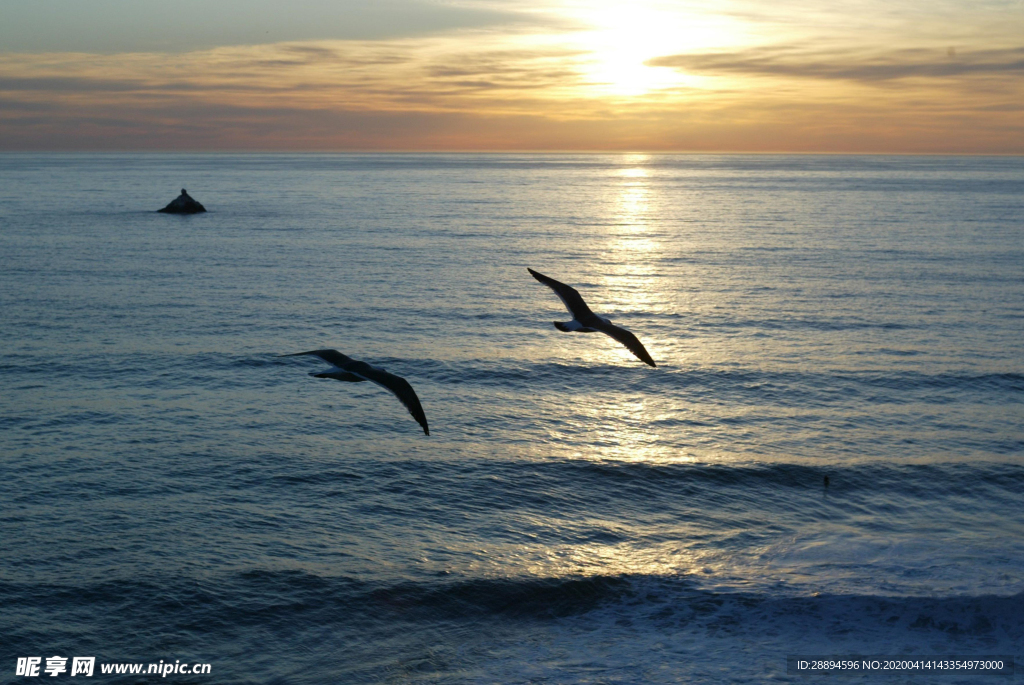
(485, 89)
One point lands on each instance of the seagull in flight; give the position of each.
(586, 321)
(345, 368)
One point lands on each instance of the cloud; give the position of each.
(495, 89)
(895, 65)
(57, 84)
(428, 74)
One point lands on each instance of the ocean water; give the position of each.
(173, 490)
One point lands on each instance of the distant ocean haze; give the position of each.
(172, 489)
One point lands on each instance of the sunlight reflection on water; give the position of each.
(855, 317)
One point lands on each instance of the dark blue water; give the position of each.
(171, 489)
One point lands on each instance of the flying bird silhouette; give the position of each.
(586, 321)
(346, 368)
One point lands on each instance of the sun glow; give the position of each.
(627, 35)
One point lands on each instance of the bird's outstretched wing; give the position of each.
(626, 338)
(329, 356)
(334, 357)
(396, 384)
(566, 293)
(349, 369)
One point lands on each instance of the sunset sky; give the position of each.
(715, 75)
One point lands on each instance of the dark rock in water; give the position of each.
(183, 204)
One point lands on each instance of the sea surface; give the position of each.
(171, 489)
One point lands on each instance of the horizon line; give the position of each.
(225, 151)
